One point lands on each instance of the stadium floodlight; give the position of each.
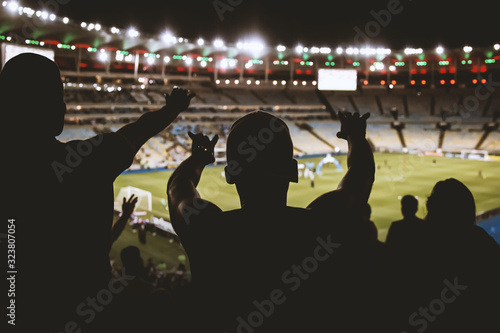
(103, 56)
(496, 47)
(12, 6)
(281, 48)
(168, 38)
(283, 82)
(218, 43)
(65, 20)
(325, 50)
(339, 50)
(45, 15)
(352, 50)
(97, 27)
(200, 42)
(83, 25)
(188, 61)
(467, 49)
(411, 50)
(203, 63)
(132, 32)
(52, 17)
(150, 61)
(299, 49)
(115, 30)
(90, 26)
(314, 49)
(166, 59)
(440, 50)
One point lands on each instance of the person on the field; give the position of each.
(62, 193)
(286, 261)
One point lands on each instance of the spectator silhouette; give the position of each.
(406, 234)
(61, 194)
(262, 245)
(458, 265)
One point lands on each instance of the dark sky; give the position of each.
(417, 23)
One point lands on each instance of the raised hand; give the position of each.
(203, 147)
(352, 125)
(179, 99)
(129, 205)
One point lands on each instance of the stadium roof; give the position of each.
(387, 23)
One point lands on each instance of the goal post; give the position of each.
(144, 198)
(474, 154)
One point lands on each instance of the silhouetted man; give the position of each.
(61, 195)
(406, 233)
(275, 270)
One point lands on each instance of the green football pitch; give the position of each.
(396, 175)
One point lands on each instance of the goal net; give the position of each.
(144, 198)
(473, 154)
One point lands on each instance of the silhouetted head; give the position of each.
(32, 96)
(409, 205)
(131, 260)
(451, 203)
(260, 153)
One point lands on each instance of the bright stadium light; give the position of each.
(440, 50)
(103, 56)
(115, 30)
(97, 27)
(325, 50)
(45, 15)
(200, 42)
(65, 20)
(410, 50)
(133, 33)
(339, 50)
(12, 6)
(496, 47)
(166, 59)
(83, 25)
(281, 48)
(218, 43)
(189, 61)
(168, 38)
(467, 49)
(299, 49)
(52, 17)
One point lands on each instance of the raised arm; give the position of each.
(184, 200)
(354, 189)
(128, 206)
(151, 123)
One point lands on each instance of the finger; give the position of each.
(124, 201)
(341, 116)
(356, 114)
(191, 135)
(191, 95)
(215, 139)
(366, 116)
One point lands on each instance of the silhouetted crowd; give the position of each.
(277, 268)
